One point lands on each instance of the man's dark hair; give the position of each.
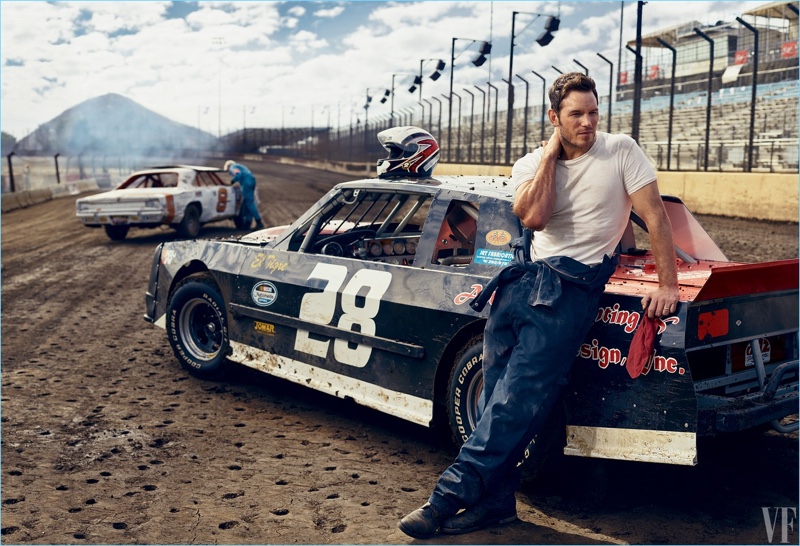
(572, 81)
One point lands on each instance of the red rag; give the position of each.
(641, 346)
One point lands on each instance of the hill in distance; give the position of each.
(112, 125)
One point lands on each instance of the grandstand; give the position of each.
(775, 138)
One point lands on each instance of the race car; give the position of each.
(184, 197)
(366, 296)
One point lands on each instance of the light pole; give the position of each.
(637, 74)
(391, 117)
(430, 113)
(586, 70)
(440, 64)
(525, 122)
(439, 132)
(366, 111)
(484, 50)
(220, 41)
(545, 38)
(671, 100)
(543, 102)
(471, 124)
(483, 118)
(610, 87)
(458, 134)
(637, 96)
(753, 88)
(708, 39)
(496, 100)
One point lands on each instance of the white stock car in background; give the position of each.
(183, 197)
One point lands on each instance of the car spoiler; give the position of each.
(748, 279)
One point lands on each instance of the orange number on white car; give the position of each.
(222, 200)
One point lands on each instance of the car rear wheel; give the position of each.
(116, 233)
(241, 222)
(190, 225)
(197, 327)
(464, 392)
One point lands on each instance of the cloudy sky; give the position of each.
(224, 65)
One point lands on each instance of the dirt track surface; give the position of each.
(106, 440)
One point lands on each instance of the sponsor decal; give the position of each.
(264, 294)
(264, 328)
(498, 237)
(613, 356)
(269, 262)
(488, 256)
(465, 297)
(605, 356)
(629, 320)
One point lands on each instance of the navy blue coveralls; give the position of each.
(243, 176)
(540, 314)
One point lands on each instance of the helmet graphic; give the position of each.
(412, 152)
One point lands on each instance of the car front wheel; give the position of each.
(197, 327)
(116, 233)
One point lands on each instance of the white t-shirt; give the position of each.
(592, 198)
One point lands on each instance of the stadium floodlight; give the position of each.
(483, 51)
(550, 26)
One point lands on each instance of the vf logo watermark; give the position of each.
(779, 517)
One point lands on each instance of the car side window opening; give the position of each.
(137, 182)
(169, 180)
(151, 180)
(455, 243)
(204, 179)
(375, 226)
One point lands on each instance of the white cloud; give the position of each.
(278, 60)
(329, 13)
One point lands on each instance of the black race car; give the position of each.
(366, 297)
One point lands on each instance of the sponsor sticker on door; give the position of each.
(264, 294)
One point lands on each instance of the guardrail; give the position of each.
(27, 198)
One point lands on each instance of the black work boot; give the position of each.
(259, 225)
(476, 518)
(421, 523)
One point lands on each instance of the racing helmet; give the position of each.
(228, 165)
(412, 152)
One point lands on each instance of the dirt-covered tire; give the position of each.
(464, 390)
(116, 233)
(197, 328)
(189, 227)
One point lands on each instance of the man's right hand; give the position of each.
(552, 147)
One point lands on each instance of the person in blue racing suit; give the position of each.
(241, 174)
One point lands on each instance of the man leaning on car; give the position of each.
(575, 192)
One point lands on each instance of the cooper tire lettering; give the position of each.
(198, 327)
(465, 386)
